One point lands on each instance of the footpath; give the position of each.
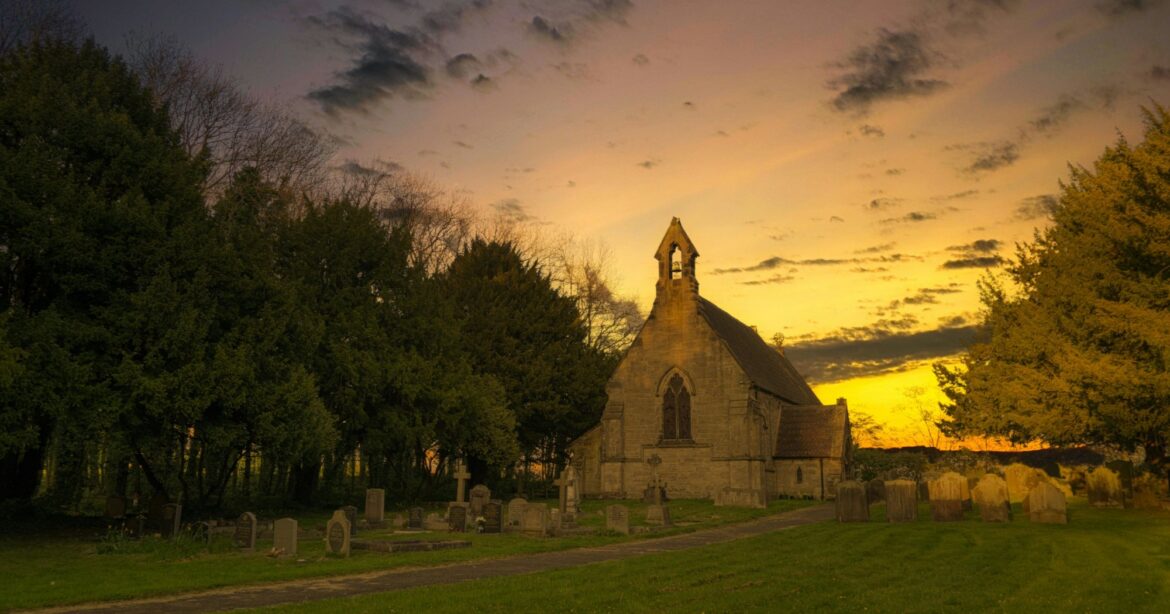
(299, 591)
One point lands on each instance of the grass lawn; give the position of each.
(40, 570)
(1104, 561)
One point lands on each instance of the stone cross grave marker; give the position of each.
(457, 518)
(461, 477)
(535, 520)
(415, 519)
(493, 512)
(617, 519)
(516, 511)
(946, 497)
(337, 534)
(1047, 504)
(1104, 486)
(284, 536)
(991, 497)
(479, 496)
(351, 515)
(375, 507)
(852, 505)
(901, 501)
(172, 519)
(245, 534)
(657, 513)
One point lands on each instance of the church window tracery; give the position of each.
(676, 410)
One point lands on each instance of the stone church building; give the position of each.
(725, 414)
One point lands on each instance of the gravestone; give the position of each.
(337, 534)
(201, 532)
(351, 515)
(375, 507)
(852, 505)
(991, 497)
(946, 497)
(901, 500)
(434, 522)
(535, 520)
(479, 496)
(1021, 479)
(1124, 471)
(653, 493)
(284, 536)
(1104, 486)
(115, 506)
(457, 518)
(461, 477)
(399, 521)
(516, 511)
(493, 513)
(1047, 504)
(875, 490)
(569, 502)
(245, 535)
(657, 513)
(617, 519)
(415, 519)
(172, 519)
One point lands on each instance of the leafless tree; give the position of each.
(215, 117)
(27, 21)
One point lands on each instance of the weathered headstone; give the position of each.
(1047, 504)
(337, 533)
(434, 522)
(946, 497)
(375, 507)
(457, 518)
(245, 534)
(493, 513)
(617, 519)
(351, 514)
(991, 497)
(479, 496)
(535, 520)
(415, 520)
(1021, 479)
(115, 506)
(852, 505)
(570, 491)
(516, 511)
(284, 536)
(172, 519)
(875, 490)
(201, 532)
(1104, 486)
(901, 501)
(461, 477)
(399, 521)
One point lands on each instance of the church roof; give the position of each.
(811, 431)
(764, 366)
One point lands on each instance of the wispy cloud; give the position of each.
(892, 67)
(886, 346)
(1122, 8)
(1034, 207)
(910, 218)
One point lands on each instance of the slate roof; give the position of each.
(764, 366)
(811, 431)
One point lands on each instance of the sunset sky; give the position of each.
(847, 170)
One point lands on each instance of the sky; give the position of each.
(847, 170)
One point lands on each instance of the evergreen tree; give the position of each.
(1079, 354)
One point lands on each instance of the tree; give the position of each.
(531, 339)
(1077, 340)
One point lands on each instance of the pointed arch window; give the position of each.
(676, 410)
(675, 262)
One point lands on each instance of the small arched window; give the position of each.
(676, 410)
(799, 475)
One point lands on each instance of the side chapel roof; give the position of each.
(812, 431)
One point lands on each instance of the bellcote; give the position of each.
(676, 262)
